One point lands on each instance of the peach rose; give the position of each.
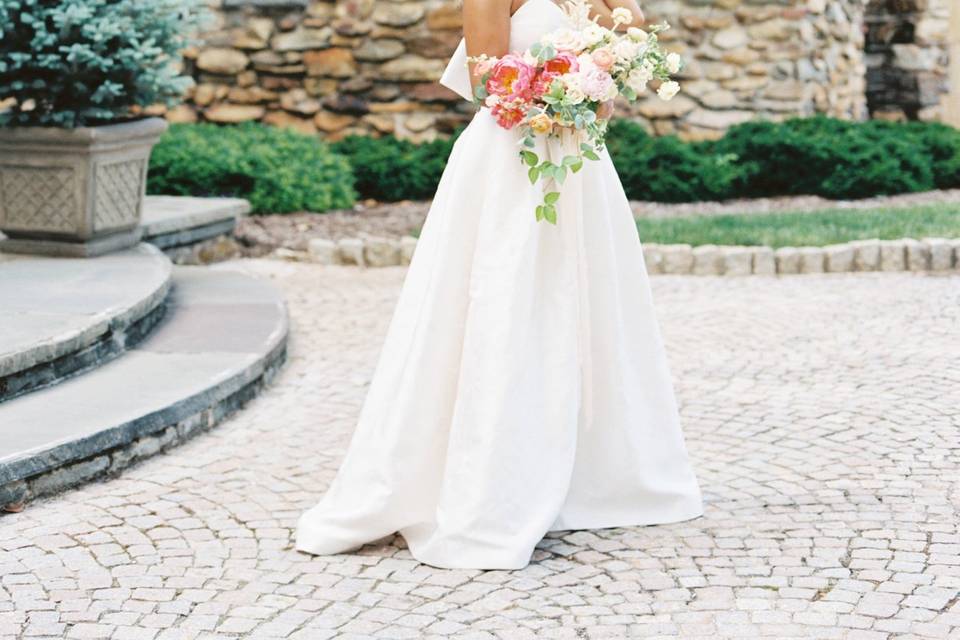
(603, 58)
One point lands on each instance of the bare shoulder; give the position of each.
(488, 7)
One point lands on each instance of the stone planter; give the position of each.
(74, 192)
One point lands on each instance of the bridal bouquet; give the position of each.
(567, 82)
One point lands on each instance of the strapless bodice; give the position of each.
(528, 24)
(532, 20)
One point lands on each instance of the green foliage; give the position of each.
(826, 157)
(277, 170)
(390, 169)
(71, 63)
(816, 156)
(666, 169)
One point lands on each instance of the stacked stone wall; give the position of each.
(908, 58)
(360, 66)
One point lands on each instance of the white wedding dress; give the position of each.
(523, 385)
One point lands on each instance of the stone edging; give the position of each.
(908, 254)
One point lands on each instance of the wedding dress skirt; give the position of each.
(523, 385)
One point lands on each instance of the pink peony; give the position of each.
(511, 77)
(597, 84)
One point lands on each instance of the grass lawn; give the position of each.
(805, 229)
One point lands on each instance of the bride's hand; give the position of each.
(604, 10)
(605, 112)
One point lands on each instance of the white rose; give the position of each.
(564, 40)
(622, 15)
(585, 62)
(637, 81)
(570, 80)
(640, 76)
(638, 34)
(594, 33)
(668, 89)
(626, 50)
(574, 95)
(674, 62)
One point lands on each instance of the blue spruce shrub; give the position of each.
(70, 63)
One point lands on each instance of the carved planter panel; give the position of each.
(74, 192)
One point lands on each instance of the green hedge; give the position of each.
(280, 171)
(390, 169)
(277, 170)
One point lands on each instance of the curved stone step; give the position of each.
(59, 316)
(223, 335)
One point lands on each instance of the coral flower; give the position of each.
(511, 77)
(563, 62)
(507, 117)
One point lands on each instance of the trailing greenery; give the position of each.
(805, 229)
(71, 63)
(390, 169)
(277, 170)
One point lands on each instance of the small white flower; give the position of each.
(612, 93)
(638, 34)
(492, 101)
(638, 79)
(668, 90)
(674, 62)
(574, 95)
(594, 33)
(622, 15)
(530, 59)
(626, 50)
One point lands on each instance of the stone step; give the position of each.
(171, 222)
(60, 316)
(223, 336)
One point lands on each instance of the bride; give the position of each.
(523, 385)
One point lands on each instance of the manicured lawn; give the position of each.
(805, 229)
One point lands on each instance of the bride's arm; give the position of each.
(603, 9)
(486, 28)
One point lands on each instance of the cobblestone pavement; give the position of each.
(823, 414)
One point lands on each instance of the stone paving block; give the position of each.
(381, 252)
(653, 258)
(815, 527)
(812, 260)
(737, 261)
(351, 251)
(323, 251)
(764, 261)
(918, 255)
(677, 259)
(408, 245)
(941, 254)
(788, 260)
(866, 255)
(893, 255)
(707, 260)
(839, 258)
